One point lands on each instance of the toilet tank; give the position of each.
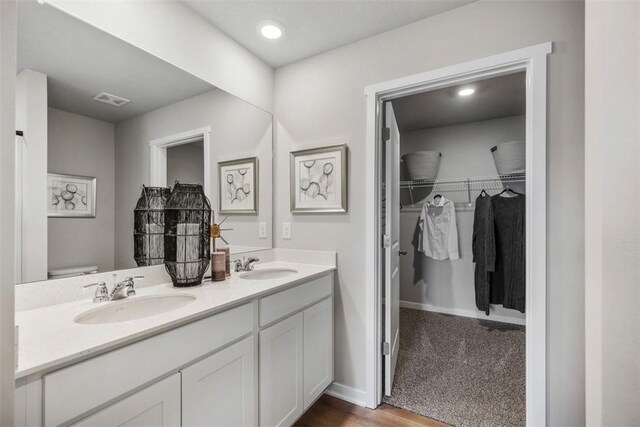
(60, 273)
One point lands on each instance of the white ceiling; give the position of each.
(494, 98)
(312, 26)
(82, 61)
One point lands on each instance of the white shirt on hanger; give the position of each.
(438, 229)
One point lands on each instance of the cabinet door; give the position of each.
(157, 405)
(219, 390)
(281, 373)
(318, 350)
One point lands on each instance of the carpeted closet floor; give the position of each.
(462, 371)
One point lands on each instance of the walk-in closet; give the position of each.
(462, 281)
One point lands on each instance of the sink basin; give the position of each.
(133, 308)
(267, 273)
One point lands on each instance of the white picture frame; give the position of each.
(318, 180)
(71, 196)
(238, 186)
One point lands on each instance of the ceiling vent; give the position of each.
(107, 98)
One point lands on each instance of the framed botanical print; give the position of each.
(71, 196)
(238, 181)
(319, 180)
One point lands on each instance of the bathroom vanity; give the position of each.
(252, 350)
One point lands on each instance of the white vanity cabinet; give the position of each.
(281, 372)
(263, 362)
(296, 353)
(219, 390)
(157, 405)
(317, 350)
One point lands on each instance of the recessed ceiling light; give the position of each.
(270, 29)
(466, 91)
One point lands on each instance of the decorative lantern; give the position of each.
(148, 227)
(186, 234)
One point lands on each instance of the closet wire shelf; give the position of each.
(462, 191)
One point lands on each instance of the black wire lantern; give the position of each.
(148, 227)
(186, 234)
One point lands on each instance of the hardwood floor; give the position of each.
(330, 411)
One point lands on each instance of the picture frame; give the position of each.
(318, 180)
(238, 186)
(71, 196)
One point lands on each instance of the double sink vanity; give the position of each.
(256, 349)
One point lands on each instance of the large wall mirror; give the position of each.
(97, 119)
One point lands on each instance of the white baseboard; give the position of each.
(351, 395)
(464, 313)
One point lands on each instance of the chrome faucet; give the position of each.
(123, 289)
(245, 264)
(102, 293)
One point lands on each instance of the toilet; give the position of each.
(61, 273)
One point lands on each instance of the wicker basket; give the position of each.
(509, 157)
(422, 164)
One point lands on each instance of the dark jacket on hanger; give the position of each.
(509, 277)
(484, 253)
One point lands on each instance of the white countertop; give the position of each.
(49, 338)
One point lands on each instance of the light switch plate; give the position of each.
(286, 230)
(262, 230)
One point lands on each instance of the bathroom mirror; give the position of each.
(96, 119)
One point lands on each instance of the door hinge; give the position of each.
(386, 349)
(386, 241)
(386, 134)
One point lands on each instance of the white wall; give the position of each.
(80, 145)
(466, 152)
(238, 130)
(173, 32)
(320, 101)
(7, 212)
(31, 118)
(612, 145)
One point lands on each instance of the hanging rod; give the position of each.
(468, 181)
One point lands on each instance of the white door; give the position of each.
(157, 405)
(281, 373)
(219, 390)
(392, 248)
(318, 350)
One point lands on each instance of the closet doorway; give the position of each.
(423, 215)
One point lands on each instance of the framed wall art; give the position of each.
(71, 196)
(238, 181)
(319, 180)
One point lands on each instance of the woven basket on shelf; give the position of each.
(422, 164)
(509, 157)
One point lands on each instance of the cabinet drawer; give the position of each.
(283, 303)
(75, 390)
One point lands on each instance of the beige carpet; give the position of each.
(461, 371)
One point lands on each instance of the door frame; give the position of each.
(532, 60)
(158, 156)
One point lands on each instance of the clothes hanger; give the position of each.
(509, 189)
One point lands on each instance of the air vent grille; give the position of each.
(114, 100)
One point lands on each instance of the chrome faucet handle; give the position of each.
(237, 265)
(102, 293)
(248, 265)
(131, 285)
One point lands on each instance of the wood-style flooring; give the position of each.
(329, 411)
